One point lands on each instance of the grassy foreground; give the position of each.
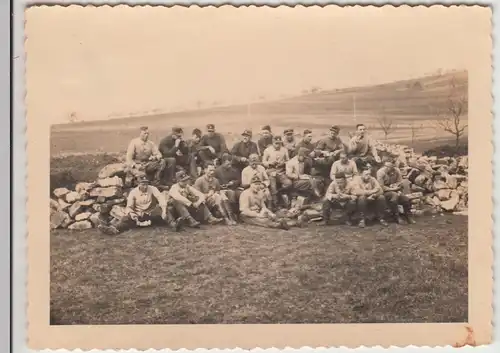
(253, 275)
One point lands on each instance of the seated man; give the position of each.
(175, 151)
(298, 170)
(362, 148)
(144, 158)
(216, 144)
(230, 179)
(142, 208)
(190, 202)
(274, 159)
(306, 143)
(391, 181)
(253, 208)
(242, 150)
(255, 169)
(289, 142)
(214, 198)
(339, 195)
(328, 150)
(265, 140)
(344, 165)
(194, 148)
(369, 194)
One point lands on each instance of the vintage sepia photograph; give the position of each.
(257, 165)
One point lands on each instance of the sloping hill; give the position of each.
(403, 101)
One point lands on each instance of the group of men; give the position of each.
(203, 181)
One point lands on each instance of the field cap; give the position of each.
(210, 127)
(307, 131)
(288, 132)
(143, 180)
(253, 157)
(181, 176)
(196, 132)
(247, 133)
(277, 138)
(177, 130)
(266, 128)
(144, 128)
(255, 180)
(335, 128)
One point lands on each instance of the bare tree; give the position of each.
(72, 118)
(451, 119)
(386, 124)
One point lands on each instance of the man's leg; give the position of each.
(263, 222)
(273, 186)
(391, 198)
(406, 203)
(350, 209)
(380, 206)
(125, 223)
(171, 221)
(185, 214)
(303, 187)
(204, 215)
(362, 206)
(326, 210)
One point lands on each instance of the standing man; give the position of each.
(255, 169)
(144, 158)
(230, 179)
(344, 165)
(216, 145)
(190, 202)
(298, 170)
(370, 195)
(306, 143)
(214, 198)
(274, 159)
(175, 151)
(289, 142)
(339, 195)
(242, 150)
(362, 148)
(328, 149)
(253, 208)
(266, 139)
(144, 204)
(391, 181)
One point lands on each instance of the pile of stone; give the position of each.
(434, 185)
(84, 207)
(437, 185)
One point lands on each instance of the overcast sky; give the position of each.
(107, 61)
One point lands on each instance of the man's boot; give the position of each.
(191, 222)
(409, 218)
(224, 214)
(283, 224)
(214, 220)
(348, 219)
(362, 221)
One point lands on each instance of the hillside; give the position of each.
(403, 101)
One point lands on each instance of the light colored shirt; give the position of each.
(248, 173)
(361, 187)
(363, 147)
(140, 151)
(251, 203)
(294, 168)
(274, 156)
(186, 195)
(145, 202)
(334, 189)
(386, 177)
(349, 169)
(205, 184)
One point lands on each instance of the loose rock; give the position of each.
(115, 181)
(75, 209)
(109, 192)
(59, 219)
(60, 192)
(111, 170)
(80, 225)
(83, 216)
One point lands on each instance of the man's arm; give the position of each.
(377, 189)
(265, 177)
(175, 194)
(156, 152)
(199, 185)
(162, 201)
(333, 170)
(290, 171)
(265, 158)
(380, 180)
(167, 147)
(130, 202)
(201, 196)
(353, 144)
(354, 168)
(373, 148)
(330, 192)
(235, 151)
(130, 153)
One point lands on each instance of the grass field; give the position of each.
(255, 275)
(250, 275)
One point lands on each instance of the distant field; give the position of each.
(405, 102)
